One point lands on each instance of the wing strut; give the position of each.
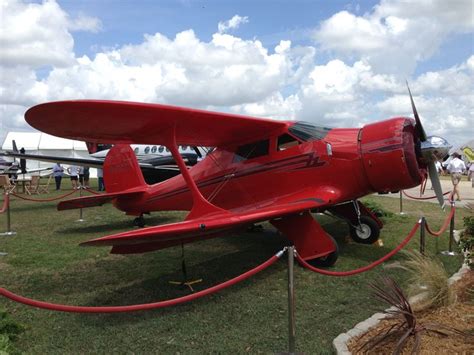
(201, 206)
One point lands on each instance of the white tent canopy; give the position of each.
(45, 144)
(35, 141)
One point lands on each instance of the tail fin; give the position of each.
(121, 169)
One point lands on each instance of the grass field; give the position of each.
(45, 262)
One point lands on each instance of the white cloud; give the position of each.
(275, 106)
(232, 24)
(396, 35)
(85, 23)
(34, 34)
(229, 73)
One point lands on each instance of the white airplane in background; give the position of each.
(156, 161)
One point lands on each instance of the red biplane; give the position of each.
(260, 170)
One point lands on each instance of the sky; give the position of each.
(333, 63)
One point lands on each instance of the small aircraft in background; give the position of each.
(8, 167)
(156, 162)
(260, 170)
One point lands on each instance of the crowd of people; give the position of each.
(79, 176)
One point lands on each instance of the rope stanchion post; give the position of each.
(450, 251)
(422, 235)
(9, 231)
(81, 219)
(291, 301)
(401, 203)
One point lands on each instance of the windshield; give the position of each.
(308, 132)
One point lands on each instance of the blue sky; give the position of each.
(270, 21)
(339, 63)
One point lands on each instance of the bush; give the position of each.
(427, 275)
(466, 242)
(377, 209)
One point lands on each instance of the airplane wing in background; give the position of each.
(154, 169)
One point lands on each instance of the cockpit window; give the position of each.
(286, 141)
(252, 150)
(308, 132)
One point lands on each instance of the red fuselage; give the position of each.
(349, 163)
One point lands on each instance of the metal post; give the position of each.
(9, 231)
(422, 235)
(80, 209)
(291, 302)
(401, 203)
(450, 251)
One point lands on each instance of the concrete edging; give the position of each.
(340, 342)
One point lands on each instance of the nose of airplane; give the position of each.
(434, 148)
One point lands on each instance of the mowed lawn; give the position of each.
(45, 262)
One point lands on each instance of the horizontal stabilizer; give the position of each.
(96, 200)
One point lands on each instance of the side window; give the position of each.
(160, 149)
(147, 150)
(153, 149)
(136, 150)
(251, 150)
(286, 141)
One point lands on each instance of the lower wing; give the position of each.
(158, 237)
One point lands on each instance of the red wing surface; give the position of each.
(157, 237)
(128, 122)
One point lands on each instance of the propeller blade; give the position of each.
(419, 127)
(435, 183)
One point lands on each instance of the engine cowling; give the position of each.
(390, 151)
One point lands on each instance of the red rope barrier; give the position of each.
(365, 268)
(92, 191)
(423, 198)
(139, 307)
(46, 199)
(5, 203)
(445, 225)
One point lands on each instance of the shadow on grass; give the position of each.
(122, 280)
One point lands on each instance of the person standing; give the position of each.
(22, 162)
(85, 177)
(73, 171)
(456, 167)
(58, 175)
(100, 178)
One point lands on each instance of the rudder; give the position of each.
(121, 169)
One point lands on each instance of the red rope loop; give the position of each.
(445, 225)
(5, 203)
(139, 307)
(46, 199)
(88, 189)
(423, 198)
(365, 268)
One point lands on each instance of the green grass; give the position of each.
(45, 262)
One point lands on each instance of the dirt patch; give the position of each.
(459, 315)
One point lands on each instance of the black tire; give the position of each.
(328, 260)
(367, 233)
(139, 222)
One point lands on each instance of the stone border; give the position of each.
(341, 341)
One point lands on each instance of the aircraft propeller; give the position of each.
(432, 149)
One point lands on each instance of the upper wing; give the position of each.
(129, 122)
(152, 237)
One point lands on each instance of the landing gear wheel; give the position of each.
(367, 233)
(327, 260)
(139, 222)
